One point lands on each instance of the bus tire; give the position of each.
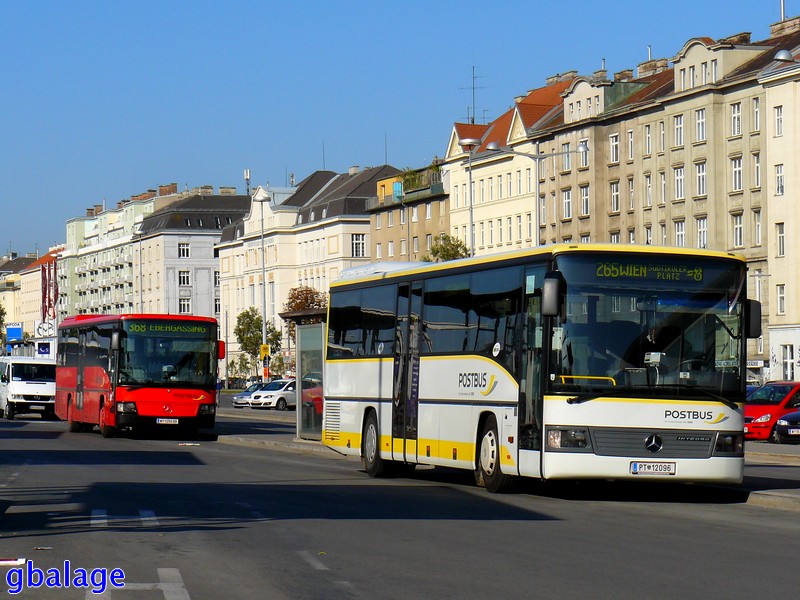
(106, 430)
(370, 447)
(487, 471)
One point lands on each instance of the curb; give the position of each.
(295, 445)
(774, 499)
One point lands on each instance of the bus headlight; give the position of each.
(207, 409)
(729, 443)
(126, 407)
(577, 439)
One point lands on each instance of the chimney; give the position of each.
(784, 27)
(227, 191)
(553, 79)
(98, 208)
(568, 76)
(600, 75)
(90, 212)
(519, 99)
(166, 190)
(651, 67)
(624, 75)
(354, 170)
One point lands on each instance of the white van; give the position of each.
(27, 385)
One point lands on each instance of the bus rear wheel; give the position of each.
(106, 430)
(487, 472)
(370, 447)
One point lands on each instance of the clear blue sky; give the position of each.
(105, 99)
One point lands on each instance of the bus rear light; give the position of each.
(126, 407)
(207, 409)
(567, 438)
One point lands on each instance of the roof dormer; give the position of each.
(703, 61)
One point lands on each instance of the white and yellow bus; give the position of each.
(557, 362)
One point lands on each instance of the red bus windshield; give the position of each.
(170, 353)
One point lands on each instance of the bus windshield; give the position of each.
(666, 323)
(170, 353)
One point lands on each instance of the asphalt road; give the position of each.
(205, 519)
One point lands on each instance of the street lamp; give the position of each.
(261, 195)
(537, 158)
(470, 145)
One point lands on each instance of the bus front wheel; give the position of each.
(370, 448)
(106, 430)
(487, 472)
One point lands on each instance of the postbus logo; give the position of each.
(706, 416)
(482, 382)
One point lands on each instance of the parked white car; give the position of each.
(280, 394)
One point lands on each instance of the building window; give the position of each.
(663, 234)
(378, 251)
(390, 218)
(678, 122)
(780, 239)
(631, 236)
(359, 245)
(700, 178)
(508, 183)
(216, 278)
(679, 183)
(183, 278)
(757, 227)
(184, 306)
(662, 136)
(615, 196)
(788, 362)
(499, 231)
(415, 241)
(403, 212)
(542, 210)
(780, 296)
(714, 71)
(584, 191)
(680, 233)
(428, 242)
(528, 179)
(736, 174)
(566, 196)
(738, 231)
(630, 144)
(217, 306)
(414, 209)
(704, 73)
(584, 154)
(779, 120)
(378, 219)
(510, 231)
(530, 225)
(779, 180)
(613, 148)
(736, 118)
(390, 249)
(183, 250)
(648, 234)
(428, 210)
(757, 170)
(566, 158)
(614, 238)
(700, 125)
(519, 227)
(756, 114)
(648, 190)
(491, 233)
(403, 247)
(631, 199)
(663, 177)
(648, 142)
(702, 232)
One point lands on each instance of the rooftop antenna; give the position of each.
(471, 117)
(649, 52)
(323, 156)
(783, 10)
(385, 149)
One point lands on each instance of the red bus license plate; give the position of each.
(161, 421)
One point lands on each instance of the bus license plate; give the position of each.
(167, 421)
(652, 468)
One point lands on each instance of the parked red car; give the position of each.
(766, 405)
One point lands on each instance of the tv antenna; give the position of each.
(471, 116)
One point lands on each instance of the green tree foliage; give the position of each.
(446, 248)
(304, 298)
(248, 334)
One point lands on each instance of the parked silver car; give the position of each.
(280, 394)
(241, 399)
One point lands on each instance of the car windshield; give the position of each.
(275, 386)
(769, 395)
(254, 388)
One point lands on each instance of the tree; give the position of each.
(301, 299)
(248, 334)
(446, 247)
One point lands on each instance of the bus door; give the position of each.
(80, 361)
(531, 383)
(405, 388)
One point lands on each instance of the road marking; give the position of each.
(170, 584)
(312, 560)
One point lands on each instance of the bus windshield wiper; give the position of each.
(727, 402)
(620, 393)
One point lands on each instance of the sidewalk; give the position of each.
(276, 430)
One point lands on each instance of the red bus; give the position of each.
(126, 371)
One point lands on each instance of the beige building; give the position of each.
(683, 153)
(408, 213)
(309, 235)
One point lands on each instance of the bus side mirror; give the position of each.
(115, 343)
(753, 317)
(552, 295)
(220, 349)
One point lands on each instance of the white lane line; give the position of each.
(172, 585)
(148, 518)
(99, 518)
(312, 560)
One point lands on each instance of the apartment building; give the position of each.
(308, 238)
(408, 213)
(686, 152)
(11, 267)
